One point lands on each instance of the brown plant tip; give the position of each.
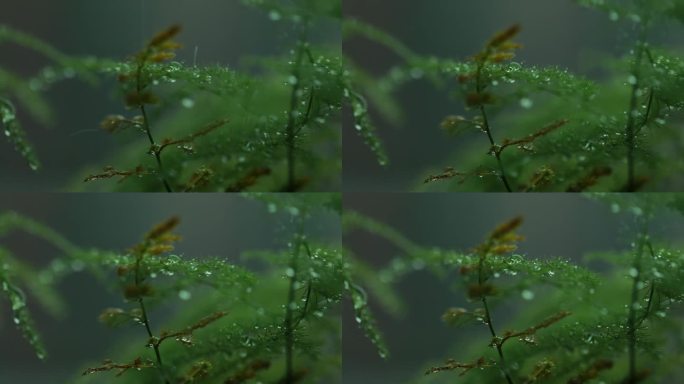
(448, 173)
(541, 370)
(540, 178)
(529, 138)
(165, 36)
(185, 335)
(504, 36)
(111, 172)
(591, 179)
(200, 178)
(197, 371)
(163, 228)
(529, 333)
(477, 291)
(137, 291)
(209, 128)
(451, 365)
(477, 99)
(506, 228)
(592, 372)
(249, 179)
(108, 365)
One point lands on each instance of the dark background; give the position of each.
(555, 225)
(211, 225)
(225, 32)
(554, 32)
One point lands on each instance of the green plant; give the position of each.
(15, 89)
(619, 132)
(270, 315)
(271, 125)
(611, 317)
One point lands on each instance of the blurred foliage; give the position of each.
(544, 128)
(615, 317)
(272, 126)
(271, 317)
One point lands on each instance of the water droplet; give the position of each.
(526, 103)
(615, 208)
(527, 294)
(184, 295)
(188, 102)
(274, 15)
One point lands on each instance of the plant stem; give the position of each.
(146, 322)
(488, 319)
(632, 317)
(146, 126)
(289, 316)
(630, 133)
(502, 171)
(486, 127)
(291, 134)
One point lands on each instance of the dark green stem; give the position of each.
(291, 132)
(630, 129)
(289, 316)
(146, 126)
(634, 302)
(488, 320)
(487, 128)
(146, 322)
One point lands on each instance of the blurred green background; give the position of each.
(555, 225)
(224, 32)
(554, 32)
(211, 225)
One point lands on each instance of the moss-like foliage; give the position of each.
(271, 125)
(614, 317)
(546, 129)
(267, 316)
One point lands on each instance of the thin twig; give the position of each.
(146, 123)
(486, 127)
(289, 316)
(488, 319)
(291, 133)
(630, 129)
(146, 322)
(632, 317)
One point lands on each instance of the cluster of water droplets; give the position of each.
(16, 135)
(20, 313)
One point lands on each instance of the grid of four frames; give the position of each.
(341, 191)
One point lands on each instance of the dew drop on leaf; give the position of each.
(527, 294)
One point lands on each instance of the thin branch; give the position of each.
(289, 316)
(630, 129)
(107, 365)
(532, 330)
(488, 320)
(291, 133)
(146, 321)
(451, 365)
(498, 149)
(632, 316)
